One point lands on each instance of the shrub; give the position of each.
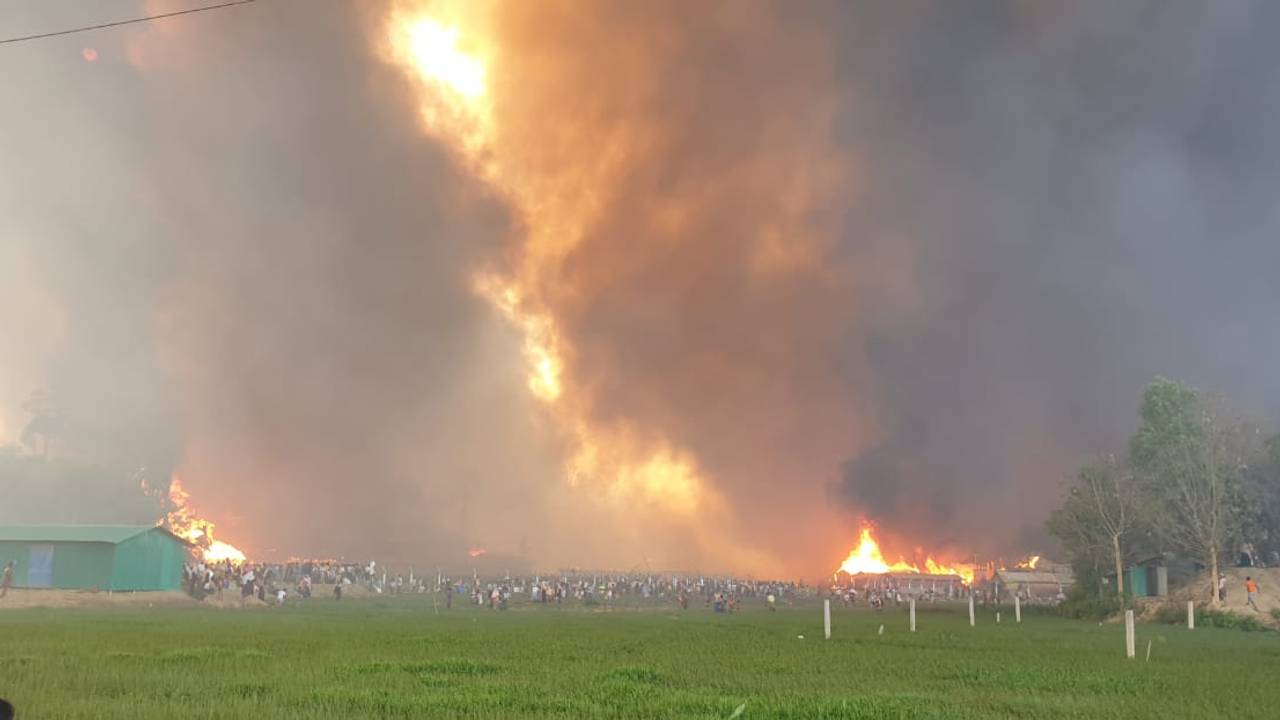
(1081, 606)
(1228, 620)
(1174, 614)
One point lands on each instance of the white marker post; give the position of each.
(1017, 608)
(1129, 650)
(1191, 614)
(826, 618)
(913, 614)
(971, 623)
(997, 617)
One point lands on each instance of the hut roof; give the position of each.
(112, 534)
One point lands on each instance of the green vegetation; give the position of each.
(397, 658)
(1176, 614)
(1199, 481)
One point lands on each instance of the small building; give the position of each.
(81, 557)
(1148, 577)
(909, 583)
(1039, 584)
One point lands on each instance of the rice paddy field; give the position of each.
(400, 658)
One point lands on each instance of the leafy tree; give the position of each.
(1262, 500)
(1190, 455)
(1098, 515)
(46, 422)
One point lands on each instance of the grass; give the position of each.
(396, 658)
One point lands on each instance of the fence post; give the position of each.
(971, 610)
(1017, 608)
(1129, 650)
(826, 618)
(1191, 614)
(913, 614)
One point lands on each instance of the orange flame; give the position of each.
(477, 552)
(464, 80)
(183, 522)
(867, 558)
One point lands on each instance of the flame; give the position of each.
(434, 52)
(1030, 563)
(456, 70)
(477, 552)
(867, 558)
(183, 522)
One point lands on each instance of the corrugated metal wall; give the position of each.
(17, 553)
(75, 564)
(150, 561)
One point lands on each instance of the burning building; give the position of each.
(866, 569)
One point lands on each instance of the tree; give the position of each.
(1190, 455)
(46, 422)
(1262, 500)
(1098, 514)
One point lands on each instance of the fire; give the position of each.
(183, 522)
(477, 552)
(557, 206)
(434, 50)
(867, 558)
(1030, 563)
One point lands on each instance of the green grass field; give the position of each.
(396, 658)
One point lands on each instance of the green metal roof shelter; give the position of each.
(107, 557)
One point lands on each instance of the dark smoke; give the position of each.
(1087, 192)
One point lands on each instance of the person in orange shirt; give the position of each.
(1251, 589)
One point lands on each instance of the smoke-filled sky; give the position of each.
(796, 264)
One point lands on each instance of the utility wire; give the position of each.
(149, 18)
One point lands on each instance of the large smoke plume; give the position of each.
(908, 261)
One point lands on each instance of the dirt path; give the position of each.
(29, 598)
(1268, 580)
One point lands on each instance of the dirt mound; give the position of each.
(1201, 590)
(32, 597)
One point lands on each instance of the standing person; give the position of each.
(7, 581)
(1251, 590)
(1222, 587)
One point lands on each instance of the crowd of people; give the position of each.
(277, 583)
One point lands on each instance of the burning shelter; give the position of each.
(1044, 582)
(107, 557)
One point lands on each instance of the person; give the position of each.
(337, 591)
(773, 607)
(1251, 590)
(1222, 587)
(448, 597)
(7, 581)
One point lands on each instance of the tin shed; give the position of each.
(108, 557)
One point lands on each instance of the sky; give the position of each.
(785, 266)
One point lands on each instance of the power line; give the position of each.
(148, 18)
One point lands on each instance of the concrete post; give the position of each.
(1129, 649)
(826, 618)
